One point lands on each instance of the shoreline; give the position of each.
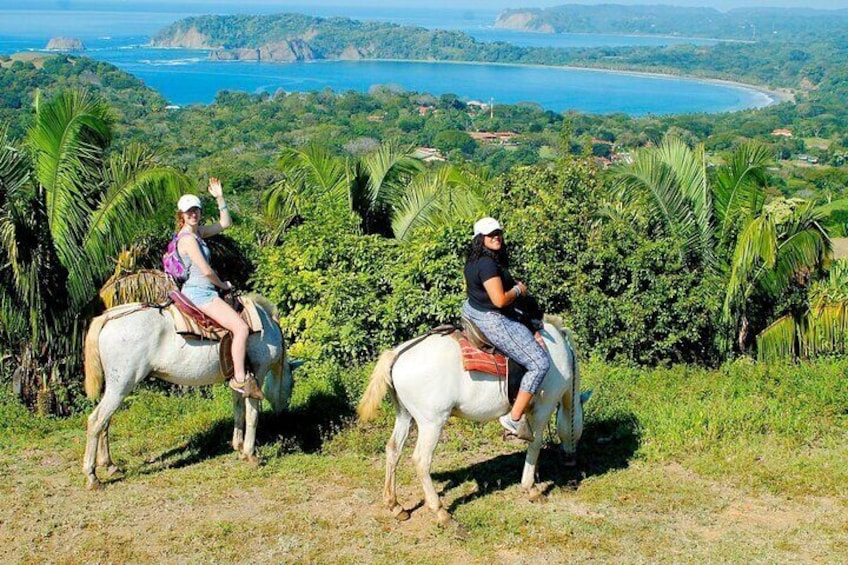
(639, 35)
(774, 96)
(767, 96)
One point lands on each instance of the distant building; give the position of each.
(625, 158)
(427, 154)
(172, 107)
(782, 133)
(492, 137)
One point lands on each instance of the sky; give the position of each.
(457, 4)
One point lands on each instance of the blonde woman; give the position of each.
(202, 284)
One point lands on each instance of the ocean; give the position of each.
(119, 34)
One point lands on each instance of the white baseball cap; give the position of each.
(187, 202)
(485, 226)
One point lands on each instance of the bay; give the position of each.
(119, 36)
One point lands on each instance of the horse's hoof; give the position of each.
(443, 517)
(400, 514)
(93, 484)
(535, 495)
(250, 458)
(114, 472)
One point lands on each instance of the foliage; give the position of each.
(634, 300)
(345, 296)
(723, 224)
(389, 190)
(737, 23)
(67, 206)
(821, 330)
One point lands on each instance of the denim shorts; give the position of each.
(200, 295)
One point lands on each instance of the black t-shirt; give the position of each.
(479, 271)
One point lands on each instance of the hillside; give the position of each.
(295, 37)
(749, 24)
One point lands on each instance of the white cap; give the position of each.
(187, 202)
(485, 226)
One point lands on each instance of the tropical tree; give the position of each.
(821, 329)
(67, 207)
(390, 191)
(725, 226)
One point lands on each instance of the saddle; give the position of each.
(191, 323)
(480, 355)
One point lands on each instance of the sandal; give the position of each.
(249, 388)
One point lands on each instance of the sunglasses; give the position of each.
(497, 233)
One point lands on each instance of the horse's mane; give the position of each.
(266, 305)
(556, 321)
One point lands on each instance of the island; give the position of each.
(65, 44)
(297, 37)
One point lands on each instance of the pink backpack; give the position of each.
(173, 263)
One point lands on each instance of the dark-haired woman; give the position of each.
(491, 292)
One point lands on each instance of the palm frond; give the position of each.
(435, 198)
(650, 183)
(68, 137)
(137, 185)
(756, 247)
(129, 284)
(387, 170)
(738, 188)
(690, 171)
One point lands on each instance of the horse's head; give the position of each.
(570, 415)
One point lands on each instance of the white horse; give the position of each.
(129, 343)
(428, 384)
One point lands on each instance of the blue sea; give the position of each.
(119, 34)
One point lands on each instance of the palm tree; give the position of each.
(821, 330)
(67, 207)
(723, 221)
(389, 190)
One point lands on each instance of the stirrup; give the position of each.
(249, 388)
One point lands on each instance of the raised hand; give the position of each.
(215, 188)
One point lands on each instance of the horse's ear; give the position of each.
(586, 395)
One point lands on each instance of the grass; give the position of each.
(747, 464)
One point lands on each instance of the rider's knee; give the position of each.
(240, 330)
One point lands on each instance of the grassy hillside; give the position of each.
(746, 465)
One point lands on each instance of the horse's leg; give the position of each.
(238, 421)
(104, 455)
(394, 447)
(428, 437)
(251, 406)
(538, 419)
(97, 422)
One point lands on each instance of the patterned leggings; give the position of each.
(514, 339)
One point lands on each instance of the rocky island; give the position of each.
(65, 44)
(296, 37)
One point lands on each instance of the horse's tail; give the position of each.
(93, 364)
(380, 383)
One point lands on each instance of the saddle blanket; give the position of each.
(474, 359)
(192, 323)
